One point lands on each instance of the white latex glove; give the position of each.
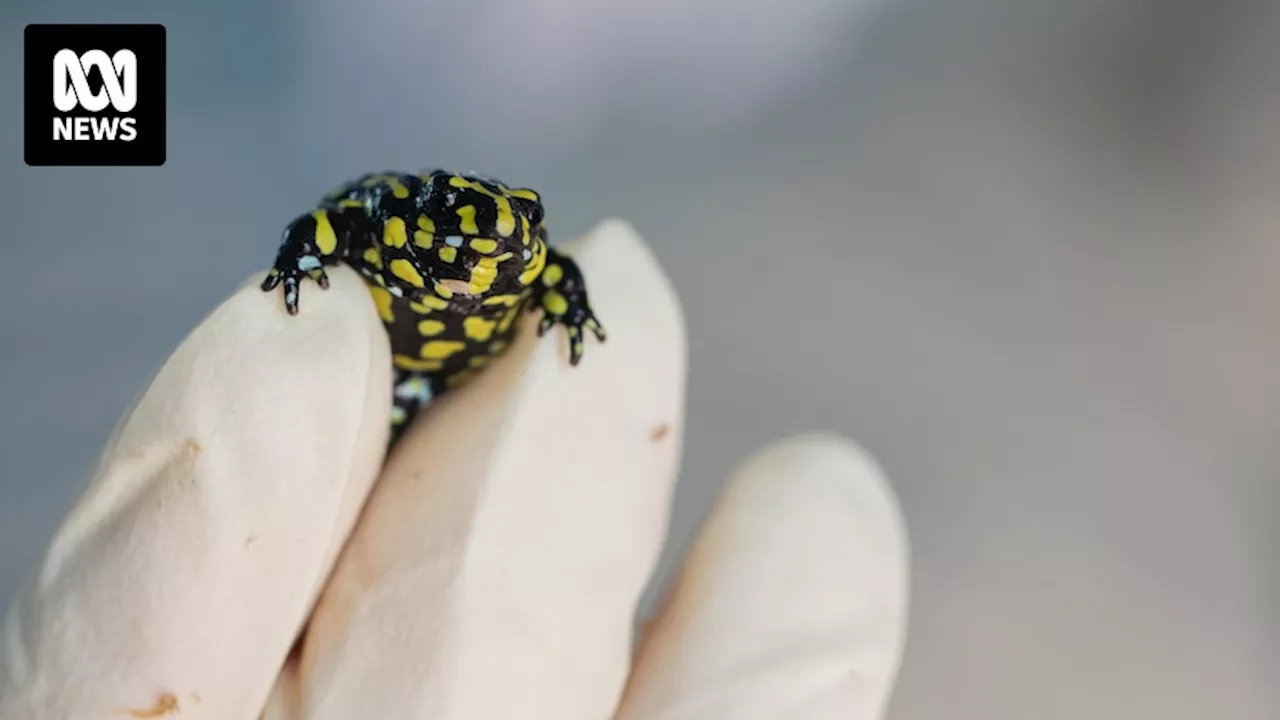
(494, 570)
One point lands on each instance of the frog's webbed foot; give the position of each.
(561, 292)
(309, 244)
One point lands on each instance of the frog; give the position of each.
(451, 261)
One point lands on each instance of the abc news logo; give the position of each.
(71, 90)
(107, 105)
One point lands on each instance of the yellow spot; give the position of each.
(507, 300)
(372, 180)
(536, 264)
(373, 257)
(552, 275)
(505, 323)
(478, 361)
(484, 246)
(429, 303)
(350, 203)
(428, 328)
(448, 254)
(404, 362)
(426, 224)
(482, 276)
(497, 346)
(443, 291)
(397, 188)
(393, 233)
(326, 239)
(441, 349)
(382, 301)
(423, 239)
(405, 270)
(505, 222)
(523, 194)
(458, 378)
(555, 303)
(477, 328)
(467, 220)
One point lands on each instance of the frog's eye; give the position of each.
(529, 205)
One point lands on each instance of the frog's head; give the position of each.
(451, 192)
(492, 236)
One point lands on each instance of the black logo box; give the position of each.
(41, 43)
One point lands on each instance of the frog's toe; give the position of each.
(290, 278)
(575, 323)
(592, 324)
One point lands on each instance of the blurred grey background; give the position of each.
(1030, 256)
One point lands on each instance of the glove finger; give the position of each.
(182, 575)
(791, 603)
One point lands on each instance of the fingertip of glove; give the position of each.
(827, 463)
(822, 489)
(236, 475)
(793, 597)
(332, 320)
(623, 271)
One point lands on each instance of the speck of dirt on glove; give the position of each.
(659, 432)
(166, 704)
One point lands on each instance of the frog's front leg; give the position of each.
(561, 292)
(310, 243)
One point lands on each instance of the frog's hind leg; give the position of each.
(412, 392)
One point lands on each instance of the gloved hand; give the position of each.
(491, 569)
